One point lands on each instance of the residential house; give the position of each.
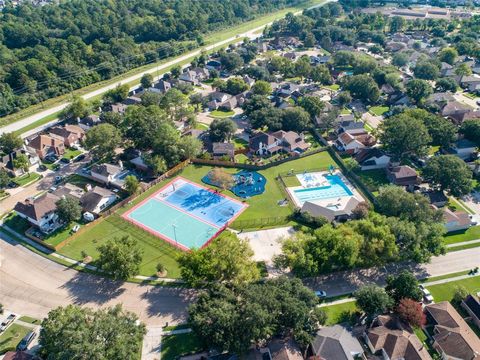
(97, 199)
(44, 145)
(471, 304)
(40, 212)
(161, 87)
(452, 337)
(106, 173)
(69, 190)
(271, 143)
(319, 60)
(276, 349)
(132, 100)
(71, 135)
(6, 160)
(372, 158)
(214, 65)
(19, 355)
(391, 339)
(464, 149)
(88, 122)
(402, 175)
(469, 82)
(290, 55)
(195, 76)
(454, 109)
(223, 150)
(352, 144)
(447, 70)
(456, 220)
(335, 343)
(248, 80)
(118, 108)
(440, 99)
(469, 115)
(351, 127)
(287, 90)
(437, 198)
(336, 209)
(217, 98)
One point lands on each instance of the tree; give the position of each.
(313, 105)
(21, 162)
(404, 135)
(463, 70)
(189, 147)
(411, 311)
(156, 163)
(344, 98)
(295, 119)
(321, 74)
(442, 131)
(10, 142)
(227, 259)
(235, 318)
(231, 61)
(175, 104)
(103, 139)
(146, 80)
(262, 87)
(418, 90)
(459, 294)
(446, 84)
(176, 71)
(448, 55)
(362, 87)
(470, 129)
(372, 300)
(400, 59)
(221, 178)
(404, 285)
(4, 178)
(397, 24)
(196, 99)
(131, 184)
(119, 94)
(75, 332)
(426, 70)
(68, 209)
(119, 257)
(78, 108)
(236, 86)
(450, 173)
(222, 130)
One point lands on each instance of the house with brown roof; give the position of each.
(44, 145)
(40, 212)
(97, 199)
(456, 220)
(372, 158)
(402, 175)
(223, 150)
(391, 339)
(71, 134)
(452, 336)
(352, 144)
(471, 304)
(280, 141)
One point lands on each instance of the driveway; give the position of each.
(31, 284)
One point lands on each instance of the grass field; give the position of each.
(27, 179)
(378, 110)
(174, 346)
(71, 153)
(340, 313)
(30, 320)
(157, 250)
(217, 36)
(11, 337)
(373, 179)
(445, 292)
(472, 233)
(222, 113)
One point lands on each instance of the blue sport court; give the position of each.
(185, 214)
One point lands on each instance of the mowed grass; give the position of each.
(373, 179)
(470, 234)
(222, 113)
(156, 250)
(340, 313)
(378, 110)
(174, 346)
(445, 292)
(11, 337)
(27, 179)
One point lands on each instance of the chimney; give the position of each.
(88, 187)
(120, 163)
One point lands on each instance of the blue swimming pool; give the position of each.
(336, 189)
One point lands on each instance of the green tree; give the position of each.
(446, 84)
(470, 129)
(146, 81)
(450, 173)
(78, 108)
(222, 130)
(10, 142)
(400, 59)
(459, 294)
(442, 131)
(119, 94)
(418, 90)
(295, 119)
(321, 74)
(4, 179)
(426, 70)
(176, 71)
(344, 98)
(362, 87)
(404, 285)
(448, 55)
(176, 104)
(397, 24)
(262, 87)
(103, 139)
(372, 300)
(226, 259)
(75, 332)
(190, 147)
(231, 61)
(119, 257)
(68, 209)
(131, 184)
(21, 162)
(404, 135)
(463, 70)
(236, 86)
(156, 163)
(313, 105)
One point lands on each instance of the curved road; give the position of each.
(33, 285)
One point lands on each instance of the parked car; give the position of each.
(27, 339)
(42, 167)
(76, 228)
(321, 294)
(58, 179)
(65, 160)
(80, 158)
(3, 326)
(427, 296)
(12, 185)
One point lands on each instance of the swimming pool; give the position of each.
(336, 189)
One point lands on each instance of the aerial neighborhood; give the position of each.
(174, 188)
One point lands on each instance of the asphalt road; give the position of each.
(252, 34)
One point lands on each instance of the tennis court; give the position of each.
(185, 214)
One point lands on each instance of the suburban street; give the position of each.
(251, 34)
(31, 284)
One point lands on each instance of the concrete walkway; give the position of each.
(463, 243)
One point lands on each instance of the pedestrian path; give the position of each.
(463, 243)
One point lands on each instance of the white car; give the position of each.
(76, 228)
(427, 296)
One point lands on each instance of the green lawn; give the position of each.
(59, 235)
(345, 111)
(240, 143)
(373, 179)
(334, 87)
(11, 337)
(241, 158)
(445, 292)
(30, 320)
(16, 223)
(157, 250)
(27, 179)
(460, 236)
(340, 313)
(378, 110)
(71, 153)
(222, 113)
(446, 276)
(433, 149)
(201, 126)
(174, 346)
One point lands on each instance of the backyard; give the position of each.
(378, 110)
(473, 233)
(174, 346)
(27, 179)
(340, 313)
(156, 250)
(373, 179)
